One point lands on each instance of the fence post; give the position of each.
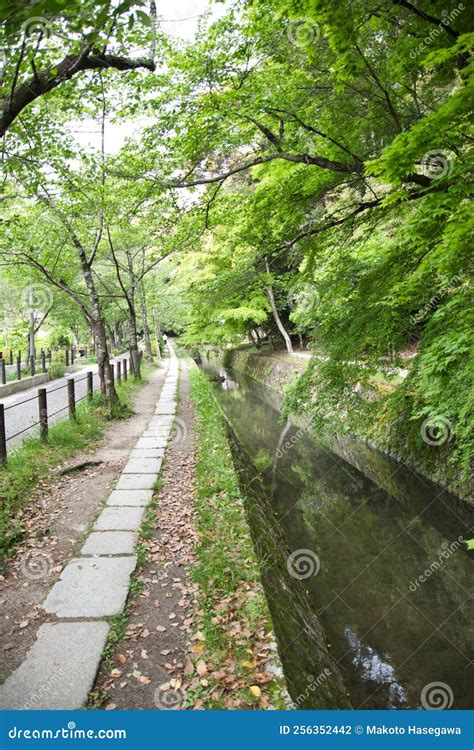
(3, 371)
(43, 413)
(3, 438)
(90, 385)
(112, 373)
(71, 399)
(32, 364)
(72, 356)
(119, 371)
(125, 369)
(11, 356)
(18, 367)
(49, 356)
(43, 360)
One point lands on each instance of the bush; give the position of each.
(57, 367)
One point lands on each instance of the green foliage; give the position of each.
(331, 141)
(57, 367)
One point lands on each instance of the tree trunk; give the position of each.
(107, 386)
(134, 354)
(146, 330)
(156, 326)
(276, 316)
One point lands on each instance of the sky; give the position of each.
(178, 18)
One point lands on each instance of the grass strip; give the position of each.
(233, 644)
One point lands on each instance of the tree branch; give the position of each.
(49, 79)
(426, 17)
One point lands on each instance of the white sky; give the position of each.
(177, 18)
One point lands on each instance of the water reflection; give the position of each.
(375, 669)
(392, 593)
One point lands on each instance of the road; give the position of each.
(21, 409)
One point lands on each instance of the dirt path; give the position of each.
(147, 665)
(58, 517)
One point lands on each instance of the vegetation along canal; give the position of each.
(368, 589)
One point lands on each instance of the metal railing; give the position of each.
(119, 370)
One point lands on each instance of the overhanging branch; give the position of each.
(47, 80)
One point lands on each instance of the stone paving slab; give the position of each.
(136, 482)
(161, 422)
(142, 466)
(130, 497)
(92, 587)
(165, 409)
(154, 442)
(59, 669)
(147, 453)
(110, 543)
(161, 435)
(162, 432)
(120, 518)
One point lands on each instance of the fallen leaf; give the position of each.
(248, 664)
(255, 690)
(201, 668)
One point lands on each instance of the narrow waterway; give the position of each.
(369, 589)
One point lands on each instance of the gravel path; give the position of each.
(21, 409)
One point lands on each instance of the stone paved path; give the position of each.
(60, 668)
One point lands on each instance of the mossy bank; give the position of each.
(292, 385)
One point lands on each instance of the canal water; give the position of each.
(368, 587)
